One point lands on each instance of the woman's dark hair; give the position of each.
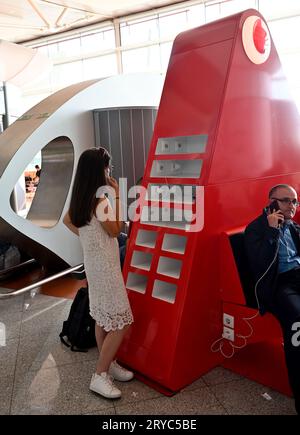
(90, 175)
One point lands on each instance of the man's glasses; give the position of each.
(288, 201)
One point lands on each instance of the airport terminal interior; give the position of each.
(197, 98)
(40, 376)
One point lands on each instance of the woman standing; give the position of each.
(92, 218)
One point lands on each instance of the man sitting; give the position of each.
(273, 248)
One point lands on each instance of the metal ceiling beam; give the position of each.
(39, 13)
(60, 17)
(76, 8)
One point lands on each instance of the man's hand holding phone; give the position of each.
(275, 216)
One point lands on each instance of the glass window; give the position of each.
(43, 50)
(281, 31)
(143, 31)
(290, 67)
(165, 51)
(142, 59)
(171, 25)
(283, 20)
(29, 101)
(212, 12)
(53, 50)
(196, 16)
(69, 48)
(98, 41)
(98, 67)
(108, 39)
(233, 6)
(66, 74)
(41, 82)
(90, 43)
(276, 8)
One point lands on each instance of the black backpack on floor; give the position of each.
(79, 328)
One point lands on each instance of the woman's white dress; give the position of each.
(109, 304)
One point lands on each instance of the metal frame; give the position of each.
(30, 287)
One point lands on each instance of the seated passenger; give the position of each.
(38, 171)
(273, 248)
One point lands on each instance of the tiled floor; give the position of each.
(41, 376)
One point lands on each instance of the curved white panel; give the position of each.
(65, 113)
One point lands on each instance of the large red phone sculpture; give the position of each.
(226, 132)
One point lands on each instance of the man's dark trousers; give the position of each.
(286, 308)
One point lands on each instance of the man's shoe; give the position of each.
(103, 384)
(119, 373)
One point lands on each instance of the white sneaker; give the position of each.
(119, 373)
(103, 384)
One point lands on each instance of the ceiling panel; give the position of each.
(23, 20)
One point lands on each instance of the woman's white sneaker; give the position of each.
(119, 373)
(103, 384)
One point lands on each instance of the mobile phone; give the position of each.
(274, 206)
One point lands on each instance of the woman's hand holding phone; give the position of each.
(114, 184)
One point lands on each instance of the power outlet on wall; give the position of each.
(228, 333)
(165, 147)
(178, 147)
(228, 320)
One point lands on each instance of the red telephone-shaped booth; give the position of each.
(227, 130)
